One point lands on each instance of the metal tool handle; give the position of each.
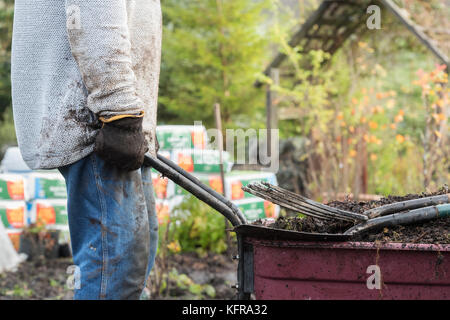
(413, 216)
(194, 186)
(407, 205)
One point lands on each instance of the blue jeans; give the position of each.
(113, 228)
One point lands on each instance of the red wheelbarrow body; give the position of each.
(342, 270)
(284, 264)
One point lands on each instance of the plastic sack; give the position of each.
(13, 161)
(9, 258)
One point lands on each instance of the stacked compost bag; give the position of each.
(186, 146)
(13, 207)
(47, 204)
(39, 198)
(32, 198)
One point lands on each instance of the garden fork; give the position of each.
(369, 218)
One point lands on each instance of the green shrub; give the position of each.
(195, 227)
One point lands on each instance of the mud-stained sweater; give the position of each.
(74, 61)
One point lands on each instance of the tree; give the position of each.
(213, 51)
(7, 133)
(6, 22)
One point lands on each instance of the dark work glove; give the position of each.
(122, 143)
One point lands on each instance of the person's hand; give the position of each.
(121, 142)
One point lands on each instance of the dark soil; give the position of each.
(218, 271)
(37, 280)
(46, 278)
(432, 232)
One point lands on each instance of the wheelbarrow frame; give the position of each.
(245, 272)
(261, 252)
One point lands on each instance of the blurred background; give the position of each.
(362, 112)
(369, 118)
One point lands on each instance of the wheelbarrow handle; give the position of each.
(194, 186)
(407, 205)
(211, 191)
(414, 216)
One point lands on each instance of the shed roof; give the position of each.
(334, 21)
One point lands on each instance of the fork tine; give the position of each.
(296, 202)
(276, 197)
(343, 213)
(306, 208)
(287, 204)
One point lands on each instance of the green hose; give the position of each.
(420, 215)
(443, 210)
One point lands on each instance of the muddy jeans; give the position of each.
(113, 228)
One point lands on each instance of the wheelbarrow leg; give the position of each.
(221, 204)
(245, 269)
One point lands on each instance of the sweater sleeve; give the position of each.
(100, 43)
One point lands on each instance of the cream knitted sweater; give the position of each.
(76, 60)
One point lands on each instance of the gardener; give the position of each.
(84, 83)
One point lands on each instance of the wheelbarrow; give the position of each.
(282, 264)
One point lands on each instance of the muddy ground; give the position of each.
(46, 279)
(437, 231)
(43, 279)
(195, 275)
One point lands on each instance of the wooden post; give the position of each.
(220, 144)
(222, 171)
(364, 169)
(271, 108)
